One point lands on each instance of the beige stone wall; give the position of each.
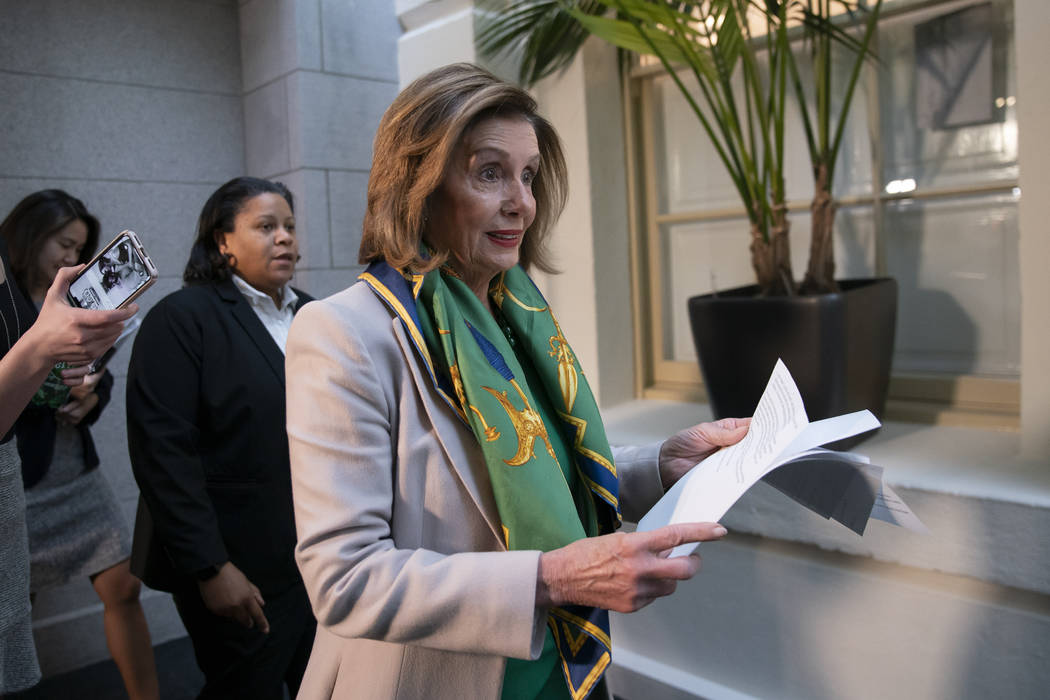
(1032, 21)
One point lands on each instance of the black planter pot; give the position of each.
(838, 347)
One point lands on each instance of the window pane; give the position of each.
(947, 109)
(854, 243)
(699, 257)
(946, 96)
(704, 256)
(853, 170)
(691, 175)
(957, 266)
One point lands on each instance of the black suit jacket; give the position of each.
(206, 434)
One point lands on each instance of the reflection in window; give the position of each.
(942, 217)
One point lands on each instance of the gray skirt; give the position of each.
(18, 665)
(76, 527)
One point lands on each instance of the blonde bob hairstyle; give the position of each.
(413, 147)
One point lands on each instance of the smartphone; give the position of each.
(115, 277)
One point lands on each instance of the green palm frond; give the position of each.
(641, 35)
(741, 74)
(541, 33)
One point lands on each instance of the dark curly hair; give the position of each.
(35, 219)
(206, 263)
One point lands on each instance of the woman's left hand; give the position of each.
(75, 376)
(82, 399)
(86, 387)
(684, 450)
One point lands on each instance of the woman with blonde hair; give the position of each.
(455, 495)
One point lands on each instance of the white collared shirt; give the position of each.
(277, 321)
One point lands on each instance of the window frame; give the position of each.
(931, 397)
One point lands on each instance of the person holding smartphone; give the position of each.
(27, 356)
(117, 275)
(75, 524)
(209, 449)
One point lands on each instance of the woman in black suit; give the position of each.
(206, 432)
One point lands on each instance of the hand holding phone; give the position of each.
(115, 277)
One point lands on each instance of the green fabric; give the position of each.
(518, 409)
(542, 678)
(536, 507)
(549, 414)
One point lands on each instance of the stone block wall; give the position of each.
(141, 108)
(317, 78)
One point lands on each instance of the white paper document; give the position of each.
(838, 485)
(130, 327)
(891, 509)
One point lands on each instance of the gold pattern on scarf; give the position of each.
(417, 284)
(568, 379)
(491, 434)
(457, 383)
(581, 429)
(500, 291)
(497, 293)
(575, 641)
(527, 425)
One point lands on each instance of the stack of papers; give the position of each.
(783, 449)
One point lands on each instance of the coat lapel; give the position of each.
(472, 472)
(398, 296)
(246, 318)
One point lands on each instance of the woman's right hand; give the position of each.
(622, 571)
(230, 594)
(72, 335)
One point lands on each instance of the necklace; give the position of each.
(508, 332)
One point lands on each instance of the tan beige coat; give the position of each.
(398, 533)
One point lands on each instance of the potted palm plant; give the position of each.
(742, 59)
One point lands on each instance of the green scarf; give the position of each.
(479, 375)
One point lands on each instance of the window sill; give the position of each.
(963, 401)
(984, 506)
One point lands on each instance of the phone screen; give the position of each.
(111, 279)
